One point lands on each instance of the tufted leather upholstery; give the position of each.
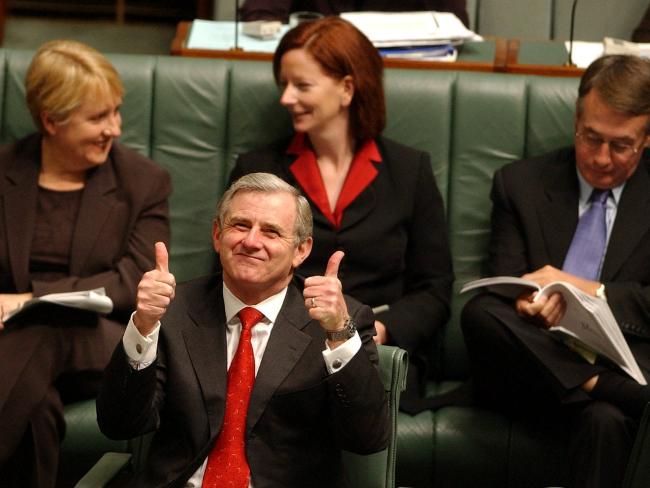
(193, 116)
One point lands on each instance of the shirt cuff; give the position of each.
(336, 359)
(140, 350)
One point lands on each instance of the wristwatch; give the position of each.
(600, 292)
(348, 331)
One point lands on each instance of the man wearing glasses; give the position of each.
(581, 215)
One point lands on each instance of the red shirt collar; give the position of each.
(305, 169)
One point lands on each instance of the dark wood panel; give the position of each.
(168, 10)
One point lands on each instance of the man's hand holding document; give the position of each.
(587, 319)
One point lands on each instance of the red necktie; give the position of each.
(227, 465)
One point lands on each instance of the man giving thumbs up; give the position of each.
(248, 382)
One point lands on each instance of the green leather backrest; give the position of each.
(419, 107)
(489, 131)
(137, 73)
(255, 118)
(378, 470)
(497, 119)
(189, 138)
(193, 116)
(16, 120)
(551, 112)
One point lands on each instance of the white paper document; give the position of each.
(612, 45)
(92, 300)
(220, 35)
(385, 29)
(587, 319)
(584, 53)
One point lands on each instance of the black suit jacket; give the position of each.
(395, 240)
(299, 416)
(534, 217)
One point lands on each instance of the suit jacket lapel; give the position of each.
(631, 222)
(558, 209)
(21, 195)
(96, 204)
(207, 350)
(285, 347)
(363, 205)
(367, 200)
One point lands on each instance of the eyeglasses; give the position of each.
(618, 150)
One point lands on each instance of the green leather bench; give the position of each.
(193, 116)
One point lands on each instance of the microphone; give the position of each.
(236, 47)
(573, 21)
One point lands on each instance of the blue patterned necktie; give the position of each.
(590, 239)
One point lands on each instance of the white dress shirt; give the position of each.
(141, 351)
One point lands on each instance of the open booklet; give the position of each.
(92, 300)
(587, 319)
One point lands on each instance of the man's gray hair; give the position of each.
(269, 183)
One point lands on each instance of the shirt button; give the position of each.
(138, 348)
(337, 363)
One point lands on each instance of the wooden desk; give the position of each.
(500, 54)
(551, 64)
(504, 60)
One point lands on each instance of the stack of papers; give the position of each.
(440, 52)
(410, 28)
(584, 53)
(619, 46)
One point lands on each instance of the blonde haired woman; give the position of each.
(78, 211)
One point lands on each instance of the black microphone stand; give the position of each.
(573, 21)
(236, 47)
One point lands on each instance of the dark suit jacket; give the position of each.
(280, 9)
(395, 240)
(299, 416)
(123, 211)
(535, 213)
